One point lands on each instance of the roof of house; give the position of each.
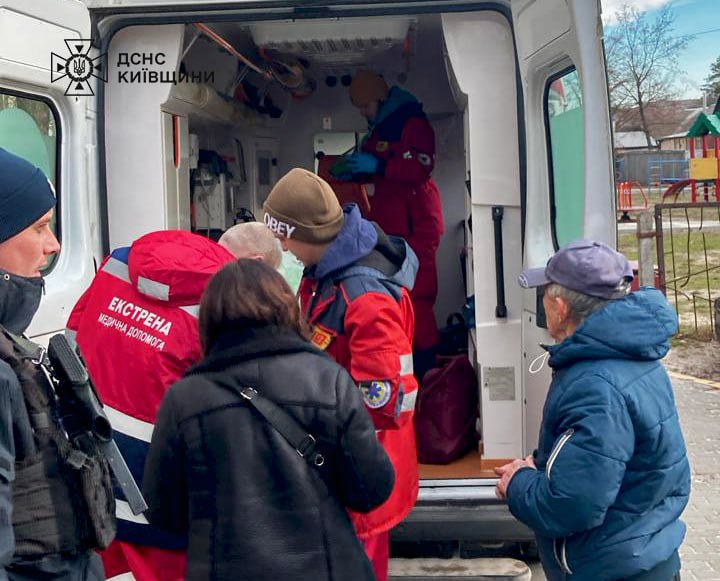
(631, 140)
(673, 136)
(705, 124)
(665, 119)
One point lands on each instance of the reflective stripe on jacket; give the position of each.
(136, 326)
(361, 314)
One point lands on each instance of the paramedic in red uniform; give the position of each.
(136, 327)
(355, 294)
(398, 157)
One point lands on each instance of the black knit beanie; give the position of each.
(25, 194)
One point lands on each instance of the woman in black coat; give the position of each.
(252, 507)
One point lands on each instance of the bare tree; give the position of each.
(642, 60)
(712, 82)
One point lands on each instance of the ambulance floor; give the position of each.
(469, 466)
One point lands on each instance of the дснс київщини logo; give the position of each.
(78, 67)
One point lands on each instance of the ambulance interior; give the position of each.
(267, 96)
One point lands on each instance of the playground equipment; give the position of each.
(663, 172)
(625, 199)
(675, 190)
(705, 169)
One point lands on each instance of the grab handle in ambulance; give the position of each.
(500, 308)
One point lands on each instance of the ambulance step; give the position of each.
(485, 569)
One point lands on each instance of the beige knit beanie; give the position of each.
(367, 86)
(303, 206)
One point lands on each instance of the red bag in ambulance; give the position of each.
(446, 411)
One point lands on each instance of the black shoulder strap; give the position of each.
(25, 348)
(298, 437)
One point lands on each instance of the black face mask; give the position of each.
(19, 300)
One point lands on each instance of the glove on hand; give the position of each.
(362, 162)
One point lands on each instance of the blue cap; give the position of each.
(588, 267)
(26, 195)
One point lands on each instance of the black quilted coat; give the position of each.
(253, 508)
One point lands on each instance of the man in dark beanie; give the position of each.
(355, 294)
(37, 513)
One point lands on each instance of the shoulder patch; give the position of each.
(376, 393)
(321, 338)
(424, 159)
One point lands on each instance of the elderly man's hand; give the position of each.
(506, 473)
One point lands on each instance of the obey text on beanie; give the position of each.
(303, 206)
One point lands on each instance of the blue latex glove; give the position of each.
(362, 162)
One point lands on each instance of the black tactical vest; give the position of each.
(62, 493)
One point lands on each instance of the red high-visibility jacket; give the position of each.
(136, 326)
(406, 202)
(360, 312)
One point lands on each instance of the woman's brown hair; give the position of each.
(247, 293)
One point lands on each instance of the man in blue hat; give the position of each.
(39, 515)
(605, 488)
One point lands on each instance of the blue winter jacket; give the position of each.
(612, 472)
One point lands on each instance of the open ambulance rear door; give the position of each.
(570, 189)
(44, 122)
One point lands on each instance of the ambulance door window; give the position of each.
(263, 169)
(29, 128)
(566, 151)
(334, 144)
(265, 172)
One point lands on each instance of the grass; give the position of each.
(692, 267)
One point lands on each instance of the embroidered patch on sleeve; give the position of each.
(376, 393)
(321, 338)
(424, 159)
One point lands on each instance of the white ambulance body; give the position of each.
(515, 91)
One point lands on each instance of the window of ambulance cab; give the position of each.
(29, 128)
(565, 130)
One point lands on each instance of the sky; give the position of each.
(692, 17)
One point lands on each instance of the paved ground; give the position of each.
(699, 407)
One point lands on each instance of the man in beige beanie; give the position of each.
(355, 294)
(398, 157)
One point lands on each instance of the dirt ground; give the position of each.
(696, 358)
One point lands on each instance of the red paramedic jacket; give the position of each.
(358, 304)
(136, 326)
(406, 202)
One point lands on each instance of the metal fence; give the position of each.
(688, 256)
(651, 167)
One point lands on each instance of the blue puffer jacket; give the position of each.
(613, 475)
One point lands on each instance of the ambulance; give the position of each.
(181, 114)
